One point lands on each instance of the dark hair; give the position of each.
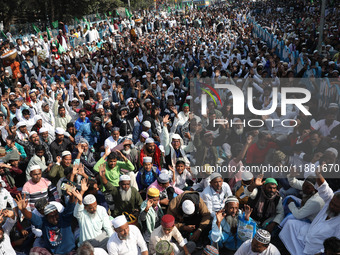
(11, 138)
(91, 182)
(25, 111)
(70, 124)
(39, 147)
(112, 156)
(61, 107)
(315, 132)
(332, 244)
(82, 110)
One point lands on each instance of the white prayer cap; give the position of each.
(119, 221)
(161, 147)
(262, 236)
(33, 133)
(89, 199)
(163, 178)
(37, 117)
(42, 130)
(333, 150)
(147, 100)
(215, 175)
(21, 124)
(128, 100)
(145, 134)
(188, 207)
(34, 167)
(189, 98)
(247, 176)
(147, 160)
(59, 131)
(124, 177)
(147, 124)
(65, 153)
(149, 140)
(176, 137)
(75, 99)
(232, 199)
(82, 93)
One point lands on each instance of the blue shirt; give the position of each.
(88, 133)
(58, 239)
(79, 122)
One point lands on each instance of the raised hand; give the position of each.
(80, 148)
(220, 215)
(247, 212)
(75, 169)
(21, 201)
(165, 120)
(259, 180)
(102, 170)
(84, 185)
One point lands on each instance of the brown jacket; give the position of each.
(175, 209)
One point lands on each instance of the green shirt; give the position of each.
(112, 175)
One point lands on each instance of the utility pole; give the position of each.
(322, 24)
(129, 5)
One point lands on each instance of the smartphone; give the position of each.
(67, 187)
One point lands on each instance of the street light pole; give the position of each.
(322, 24)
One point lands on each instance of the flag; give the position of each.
(61, 49)
(76, 20)
(110, 13)
(55, 24)
(180, 5)
(3, 34)
(105, 15)
(48, 34)
(117, 13)
(128, 14)
(87, 23)
(169, 9)
(36, 29)
(98, 16)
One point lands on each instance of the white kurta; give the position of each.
(245, 249)
(131, 246)
(305, 238)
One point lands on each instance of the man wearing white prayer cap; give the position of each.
(191, 214)
(38, 187)
(127, 239)
(94, 223)
(147, 174)
(239, 187)
(138, 129)
(215, 194)
(227, 220)
(260, 244)
(174, 147)
(150, 149)
(126, 198)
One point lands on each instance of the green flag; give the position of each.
(55, 24)
(180, 5)
(98, 16)
(169, 9)
(128, 14)
(3, 34)
(61, 49)
(117, 13)
(36, 29)
(110, 13)
(105, 15)
(76, 20)
(48, 33)
(87, 23)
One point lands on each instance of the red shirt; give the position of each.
(255, 155)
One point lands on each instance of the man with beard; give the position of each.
(126, 198)
(151, 150)
(237, 134)
(5, 241)
(61, 119)
(47, 115)
(260, 244)
(311, 202)
(301, 237)
(94, 223)
(215, 195)
(90, 131)
(127, 239)
(84, 155)
(225, 225)
(266, 202)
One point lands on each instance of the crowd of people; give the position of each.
(103, 143)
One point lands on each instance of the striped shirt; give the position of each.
(42, 189)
